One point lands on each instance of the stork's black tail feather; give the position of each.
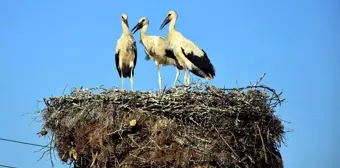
(127, 72)
(204, 67)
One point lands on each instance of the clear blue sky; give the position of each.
(47, 45)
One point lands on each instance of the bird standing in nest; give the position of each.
(126, 53)
(157, 48)
(188, 54)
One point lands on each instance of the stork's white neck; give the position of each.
(125, 28)
(144, 28)
(143, 35)
(172, 24)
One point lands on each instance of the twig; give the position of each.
(133, 141)
(238, 158)
(194, 121)
(156, 144)
(64, 90)
(142, 159)
(50, 150)
(264, 74)
(258, 86)
(201, 139)
(263, 146)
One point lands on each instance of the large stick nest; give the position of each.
(199, 126)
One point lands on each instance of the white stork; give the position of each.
(126, 53)
(188, 54)
(157, 48)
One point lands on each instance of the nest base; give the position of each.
(200, 126)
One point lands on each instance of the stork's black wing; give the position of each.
(169, 53)
(117, 62)
(135, 60)
(202, 63)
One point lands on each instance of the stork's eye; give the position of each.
(169, 14)
(143, 20)
(122, 17)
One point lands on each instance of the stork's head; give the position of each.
(124, 19)
(143, 21)
(170, 16)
